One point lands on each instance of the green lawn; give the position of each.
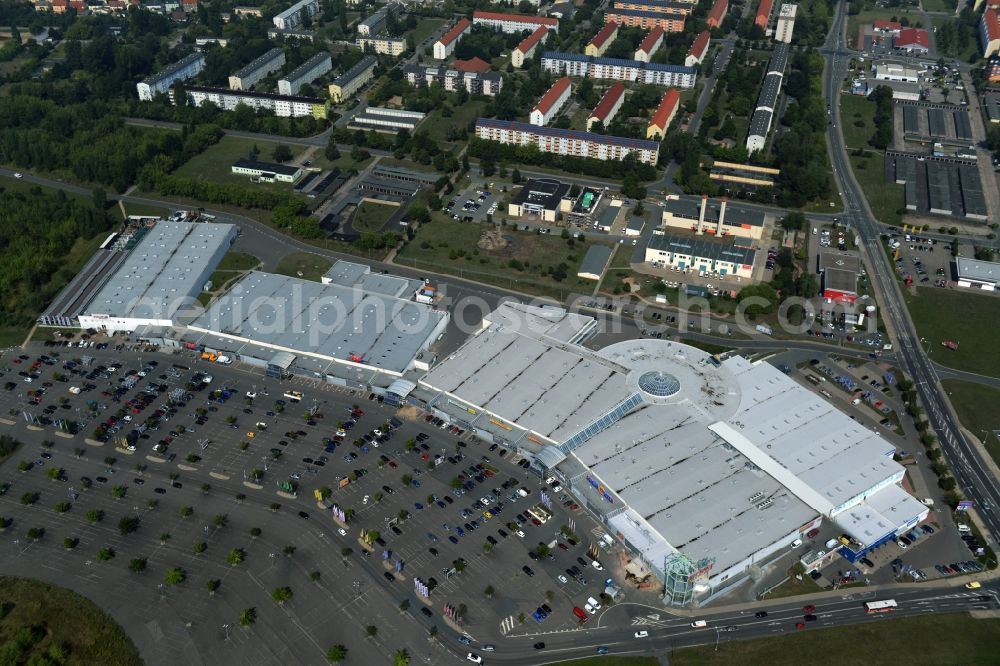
(215, 163)
(305, 265)
(424, 29)
(963, 316)
(855, 110)
(447, 246)
(976, 405)
(938, 5)
(85, 633)
(971, 47)
(238, 261)
(961, 640)
(372, 216)
(885, 199)
(437, 126)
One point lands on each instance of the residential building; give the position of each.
(594, 262)
(353, 79)
(763, 115)
(696, 54)
(452, 80)
(701, 255)
(514, 22)
(475, 65)
(602, 40)
(285, 106)
(786, 23)
(375, 24)
(294, 16)
(887, 27)
(989, 33)
(575, 64)
(565, 10)
(657, 6)
(717, 13)
(566, 142)
(540, 197)
(307, 72)
(664, 114)
(299, 34)
(609, 105)
(247, 77)
(267, 172)
(387, 120)
(526, 49)
(390, 46)
(185, 68)
(649, 45)
(445, 46)
(205, 41)
(635, 18)
(256, 12)
(912, 40)
(763, 14)
(551, 102)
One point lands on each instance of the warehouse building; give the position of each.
(445, 46)
(247, 77)
(544, 198)
(594, 262)
(763, 115)
(618, 69)
(182, 70)
(284, 106)
(722, 218)
(387, 120)
(702, 468)
(353, 79)
(701, 255)
(307, 72)
(976, 274)
(566, 142)
(295, 15)
(166, 267)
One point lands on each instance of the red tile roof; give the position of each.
(475, 64)
(667, 106)
(882, 24)
(532, 39)
(608, 102)
(553, 95)
(763, 12)
(609, 28)
(651, 39)
(912, 36)
(455, 32)
(718, 11)
(519, 18)
(992, 24)
(700, 45)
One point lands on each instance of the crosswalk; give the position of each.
(507, 624)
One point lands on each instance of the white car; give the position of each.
(474, 658)
(589, 609)
(641, 634)
(365, 500)
(342, 531)
(341, 433)
(519, 533)
(563, 579)
(251, 394)
(28, 379)
(597, 565)
(18, 174)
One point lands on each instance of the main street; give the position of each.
(965, 459)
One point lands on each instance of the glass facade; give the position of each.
(602, 423)
(660, 384)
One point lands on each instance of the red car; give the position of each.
(812, 533)
(800, 625)
(808, 609)
(393, 465)
(563, 546)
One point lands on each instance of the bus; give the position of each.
(880, 606)
(294, 396)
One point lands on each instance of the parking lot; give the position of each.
(452, 510)
(474, 203)
(925, 261)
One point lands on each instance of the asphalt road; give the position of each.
(965, 459)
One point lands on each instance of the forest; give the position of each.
(37, 231)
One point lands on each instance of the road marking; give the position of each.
(507, 624)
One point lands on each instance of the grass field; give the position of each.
(854, 109)
(372, 216)
(962, 316)
(971, 47)
(143, 209)
(976, 405)
(85, 633)
(938, 5)
(215, 163)
(425, 28)
(461, 116)
(305, 265)
(450, 247)
(884, 198)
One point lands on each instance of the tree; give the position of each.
(174, 576)
(220, 520)
(94, 516)
(331, 152)
(765, 299)
(401, 658)
(281, 595)
(63, 507)
(105, 554)
(288, 550)
(212, 584)
(36, 533)
(55, 473)
(248, 616)
(137, 565)
(27, 499)
(371, 631)
(794, 220)
(489, 591)
(235, 556)
(254, 532)
(345, 552)
(205, 488)
(118, 492)
(69, 543)
(515, 175)
(186, 511)
(164, 537)
(199, 547)
(281, 153)
(128, 524)
(324, 492)
(336, 654)
(314, 576)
